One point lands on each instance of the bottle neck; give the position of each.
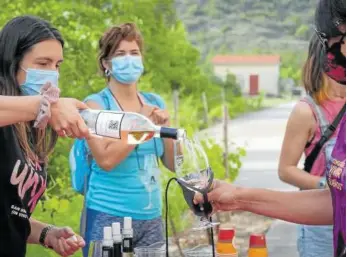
(117, 239)
(167, 132)
(107, 243)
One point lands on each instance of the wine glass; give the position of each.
(194, 176)
(95, 249)
(154, 250)
(149, 173)
(200, 251)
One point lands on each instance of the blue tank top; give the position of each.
(132, 188)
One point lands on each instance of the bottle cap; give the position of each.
(117, 236)
(257, 241)
(107, 233)
(226, 234)
(116, 228)
(127, 223)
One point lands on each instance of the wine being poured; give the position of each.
(131, 127)
(195, 176)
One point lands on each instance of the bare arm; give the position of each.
(36, 229)
(14, 109)
(299, 131)
(168, 157)
(108, 153)
(311, 207)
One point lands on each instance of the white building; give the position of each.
(255, 74)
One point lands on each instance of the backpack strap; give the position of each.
(328, 132)
(318, 113)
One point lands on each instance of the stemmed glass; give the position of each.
(194, 176)
(148, 174)
(95, 249)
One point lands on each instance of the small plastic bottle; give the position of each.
(225, 244)
(257, 246)
(107, 243)
(117, 240)
(128, 249)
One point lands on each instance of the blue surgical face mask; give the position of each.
(127, 69)
(36, 79)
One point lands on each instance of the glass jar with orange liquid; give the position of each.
(257, 246)
(225, 244)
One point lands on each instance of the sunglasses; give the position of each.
(323, 38)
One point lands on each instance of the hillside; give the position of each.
(218, 26)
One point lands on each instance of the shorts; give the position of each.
(314, 241)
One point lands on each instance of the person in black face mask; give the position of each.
(323, 203)
(332, 36)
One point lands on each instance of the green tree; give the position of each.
(168, 57)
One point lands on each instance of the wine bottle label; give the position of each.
(107, 252)
(109, 124)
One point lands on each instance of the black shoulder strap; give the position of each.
(325, 137)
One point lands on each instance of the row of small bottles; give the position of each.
(226, 246)
(117, 243)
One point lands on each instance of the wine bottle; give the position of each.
(132, 127)
(107, 243)
(117, 240)
(128, 248)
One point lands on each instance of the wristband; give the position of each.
(50, 94)
(43, 236)
(322, 183)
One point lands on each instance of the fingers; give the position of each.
(80, 105)
(69, 122)
(61, 248)
(80, 241)
(83, 129)
(160, 117)
(198, 198)
(66, 247)
(67, 242)
(67, 129)
(70, 246)
(66, 232)
(147, 110)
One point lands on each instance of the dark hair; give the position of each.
(328, 12)
(111, 39)
(17, 37)
(338, 9)
(312, 73)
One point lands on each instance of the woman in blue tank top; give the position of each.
(124, 181)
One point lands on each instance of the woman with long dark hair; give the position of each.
(31, 117)
(327, 205)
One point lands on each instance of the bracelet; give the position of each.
(322, 183)
(44, 234)
(50, 94)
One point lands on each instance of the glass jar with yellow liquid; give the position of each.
(225, 244)
(257, 246)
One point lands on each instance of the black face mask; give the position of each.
(335, 63)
